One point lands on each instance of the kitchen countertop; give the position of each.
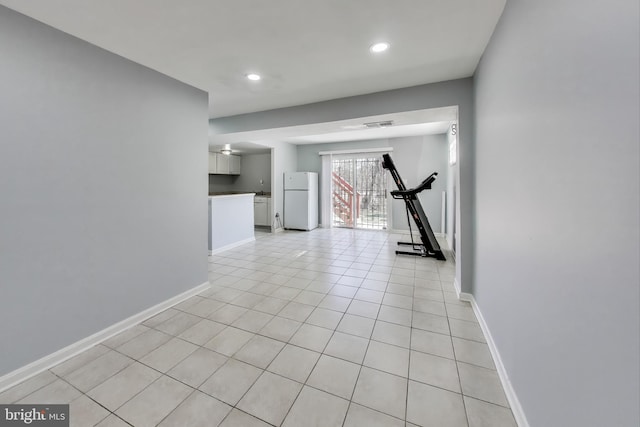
(221, 195)
(238, 193)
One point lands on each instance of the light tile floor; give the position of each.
(323, 328)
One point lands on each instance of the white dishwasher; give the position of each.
(261, 210)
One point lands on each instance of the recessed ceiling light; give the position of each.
(379, 47)
(253, 76)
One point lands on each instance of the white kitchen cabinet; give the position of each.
(234, 165)
(213, 158)
(222, 164)
(262, 210)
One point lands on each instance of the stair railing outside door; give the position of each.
(343, 194)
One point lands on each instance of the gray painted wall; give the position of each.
(415, 157)
(444, 94)
(557, 280)
(103, 179)
(254, 168)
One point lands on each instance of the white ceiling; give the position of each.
(306, 50)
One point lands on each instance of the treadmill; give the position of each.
(429, 246)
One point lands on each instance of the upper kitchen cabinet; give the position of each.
(213, 166)
(234, 165)
(224, 164)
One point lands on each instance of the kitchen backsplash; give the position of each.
(223, 183)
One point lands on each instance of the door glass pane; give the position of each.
(372, 190)
(359, 193)
(343, 192)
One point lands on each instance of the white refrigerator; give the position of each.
(300, 200)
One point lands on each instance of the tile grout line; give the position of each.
(406, 406)
(464, 406)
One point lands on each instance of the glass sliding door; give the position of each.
(344, 194)
(359, 198)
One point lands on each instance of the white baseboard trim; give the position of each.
(452, 250)
(453, 254)
(516, 408)
(449, 241)
(463, 296)
(233, 245)
(40, 365)
(458, 289)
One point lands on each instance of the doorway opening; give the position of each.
(359, 193)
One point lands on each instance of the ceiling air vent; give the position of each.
(382, 124)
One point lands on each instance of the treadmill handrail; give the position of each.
(426, 184)
(412, 192)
